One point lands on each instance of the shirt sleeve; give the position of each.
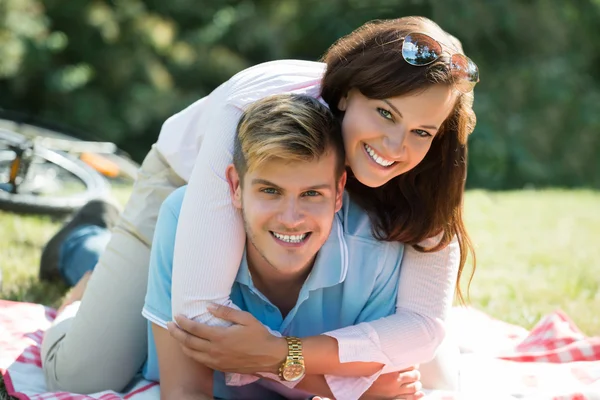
(411, 335)
(210, 236)
(157, 306)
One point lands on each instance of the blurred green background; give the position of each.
(115, 70)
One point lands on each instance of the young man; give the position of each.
(311, 263)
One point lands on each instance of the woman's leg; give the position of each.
(103, 345)
(81, 250)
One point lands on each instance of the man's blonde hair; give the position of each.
(288, 127)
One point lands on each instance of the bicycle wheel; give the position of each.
(61, 138)
(34, 179)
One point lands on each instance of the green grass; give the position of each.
(536, 251)
(23, 237)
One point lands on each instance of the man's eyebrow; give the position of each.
(400, 114)
(319, 187)
(259, 181)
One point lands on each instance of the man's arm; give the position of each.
(181, 378)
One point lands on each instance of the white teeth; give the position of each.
(290, 238)
(377, 158)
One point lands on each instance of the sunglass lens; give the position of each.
(463, 68)
(419, 49)
(465, 72)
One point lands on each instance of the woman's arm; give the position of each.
(412, 335)
(265, 349)
(419, 285)
(321, 356)
(409, 337)
(210, 236)
(399, 341)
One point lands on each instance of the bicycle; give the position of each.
(45, 171)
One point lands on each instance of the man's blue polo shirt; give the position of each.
(354, 279)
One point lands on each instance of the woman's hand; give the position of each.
(403, 385)
(246, 347)
(396, 385)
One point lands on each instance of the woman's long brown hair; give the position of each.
(427, 200)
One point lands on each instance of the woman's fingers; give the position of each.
(199, 329)
(411, 388)
(187, 339)
(409, 376)
(231, 314)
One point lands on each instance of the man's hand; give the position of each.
(396, 385)
(246, 347)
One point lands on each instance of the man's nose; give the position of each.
(291, 215)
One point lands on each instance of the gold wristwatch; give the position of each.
(292, 368)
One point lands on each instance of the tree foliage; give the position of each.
(118, 68)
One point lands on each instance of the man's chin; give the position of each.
(288, 267)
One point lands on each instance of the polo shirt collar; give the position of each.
(243, 275)
(331, 264)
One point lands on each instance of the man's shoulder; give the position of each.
(357, 223)
(174, 201)
(364, 248)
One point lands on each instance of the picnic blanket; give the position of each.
(554, 360)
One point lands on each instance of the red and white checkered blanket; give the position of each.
(553, 361)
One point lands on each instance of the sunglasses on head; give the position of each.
(420, 49)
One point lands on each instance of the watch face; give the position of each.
(292, 371)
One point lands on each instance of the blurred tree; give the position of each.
(118, 68)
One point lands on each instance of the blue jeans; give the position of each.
(80, 251)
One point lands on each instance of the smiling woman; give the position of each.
(393, 134)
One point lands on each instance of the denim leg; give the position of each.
(80, 251)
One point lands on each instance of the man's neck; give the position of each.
(280, 289)
(283, 295)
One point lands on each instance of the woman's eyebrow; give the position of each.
(400, 114)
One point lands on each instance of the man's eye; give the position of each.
(269, 191)
(385, 113)
(312, 193)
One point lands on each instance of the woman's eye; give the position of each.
(269, 191)
(385, 113)
(312, 193)
(422, 133)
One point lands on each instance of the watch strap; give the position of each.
(294, 354)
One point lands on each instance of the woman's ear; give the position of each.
(343, 103)
(235, 186)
